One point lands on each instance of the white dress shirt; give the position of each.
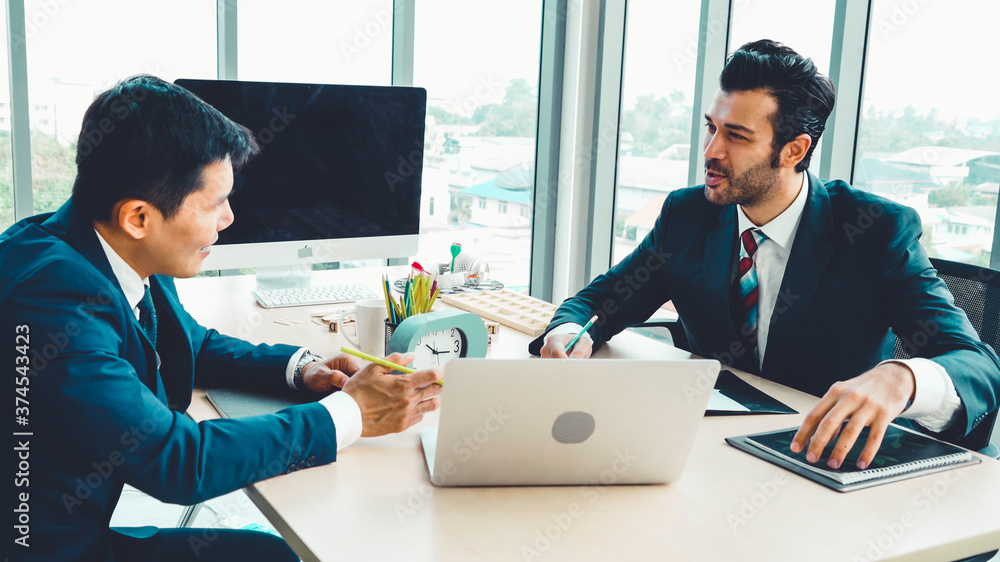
(344, 411)
(935, 402)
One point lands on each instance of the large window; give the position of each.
(661, 52)
(316, 41)
(6, 165)
(75, 50)
(929, 133)
(482, 104)
(781, 21)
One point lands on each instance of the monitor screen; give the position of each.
(337, 178)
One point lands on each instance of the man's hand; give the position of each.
(556, 347)
(872, 399)
(392, 403)
(334, 374)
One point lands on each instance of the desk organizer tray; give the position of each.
(516, 310)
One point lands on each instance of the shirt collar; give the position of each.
(781, 229)
(132, 285)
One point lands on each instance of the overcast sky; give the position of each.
(928, 53)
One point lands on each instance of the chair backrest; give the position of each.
(977, 292)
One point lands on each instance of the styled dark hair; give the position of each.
(148, 139)
(805, 97)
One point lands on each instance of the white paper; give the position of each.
(722, 403)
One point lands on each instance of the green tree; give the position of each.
(444, 117)
(515, 116)
(657, 123)
(461, 209)
(53, 170)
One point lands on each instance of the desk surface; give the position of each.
(376, 502)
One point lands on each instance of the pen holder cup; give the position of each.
(389, 329)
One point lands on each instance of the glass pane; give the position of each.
(482, 98)
(657, 92)
(6, 165)
(929, 133)
(315, 41)
(78, 49)
(781, 20)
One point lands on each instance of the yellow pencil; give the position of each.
(380, 361)
(388, 299)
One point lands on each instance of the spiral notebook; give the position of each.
(904, 454)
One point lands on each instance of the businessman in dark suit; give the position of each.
(804, 282)
(106, 356)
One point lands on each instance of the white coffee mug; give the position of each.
(369, 319)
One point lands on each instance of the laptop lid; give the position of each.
(569, 421)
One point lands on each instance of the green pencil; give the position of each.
(380, 361)
(573, 341)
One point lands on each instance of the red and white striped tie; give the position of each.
(747, 322)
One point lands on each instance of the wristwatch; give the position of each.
(306, 358)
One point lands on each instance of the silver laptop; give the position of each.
(518, 422)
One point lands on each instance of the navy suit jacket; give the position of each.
(100, 413)
(856, 277)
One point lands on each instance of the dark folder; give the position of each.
(242, 403)
(757, 401)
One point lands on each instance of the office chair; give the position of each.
(977, 292)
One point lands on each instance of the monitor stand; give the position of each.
(285, 276)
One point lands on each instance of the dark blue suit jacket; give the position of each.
(99, 411)
(856, 271)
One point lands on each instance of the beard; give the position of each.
(752, 187)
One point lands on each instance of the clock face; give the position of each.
(437, 348)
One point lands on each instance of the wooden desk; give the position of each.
(376, 502)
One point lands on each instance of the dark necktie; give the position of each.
(147, 316)
(746, 312)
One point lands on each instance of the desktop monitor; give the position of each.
(337, 178)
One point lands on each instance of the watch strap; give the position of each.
(306, 358)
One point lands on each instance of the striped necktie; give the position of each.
(147, 316)
(746, 311)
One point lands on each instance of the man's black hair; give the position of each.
(805, 97)
(148, 139)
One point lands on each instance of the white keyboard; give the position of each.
(319, 294)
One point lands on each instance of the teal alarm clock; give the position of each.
(440, 336)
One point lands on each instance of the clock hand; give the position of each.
(430, 348)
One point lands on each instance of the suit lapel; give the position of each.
(178, 373)
(811, 252)
(81, 236)
(718, 265)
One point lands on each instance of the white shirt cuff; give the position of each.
(568, 328)
(290, 369)
(935, 400)
(346, 417)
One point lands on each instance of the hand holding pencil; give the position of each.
(392, 403)
(572, 345)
